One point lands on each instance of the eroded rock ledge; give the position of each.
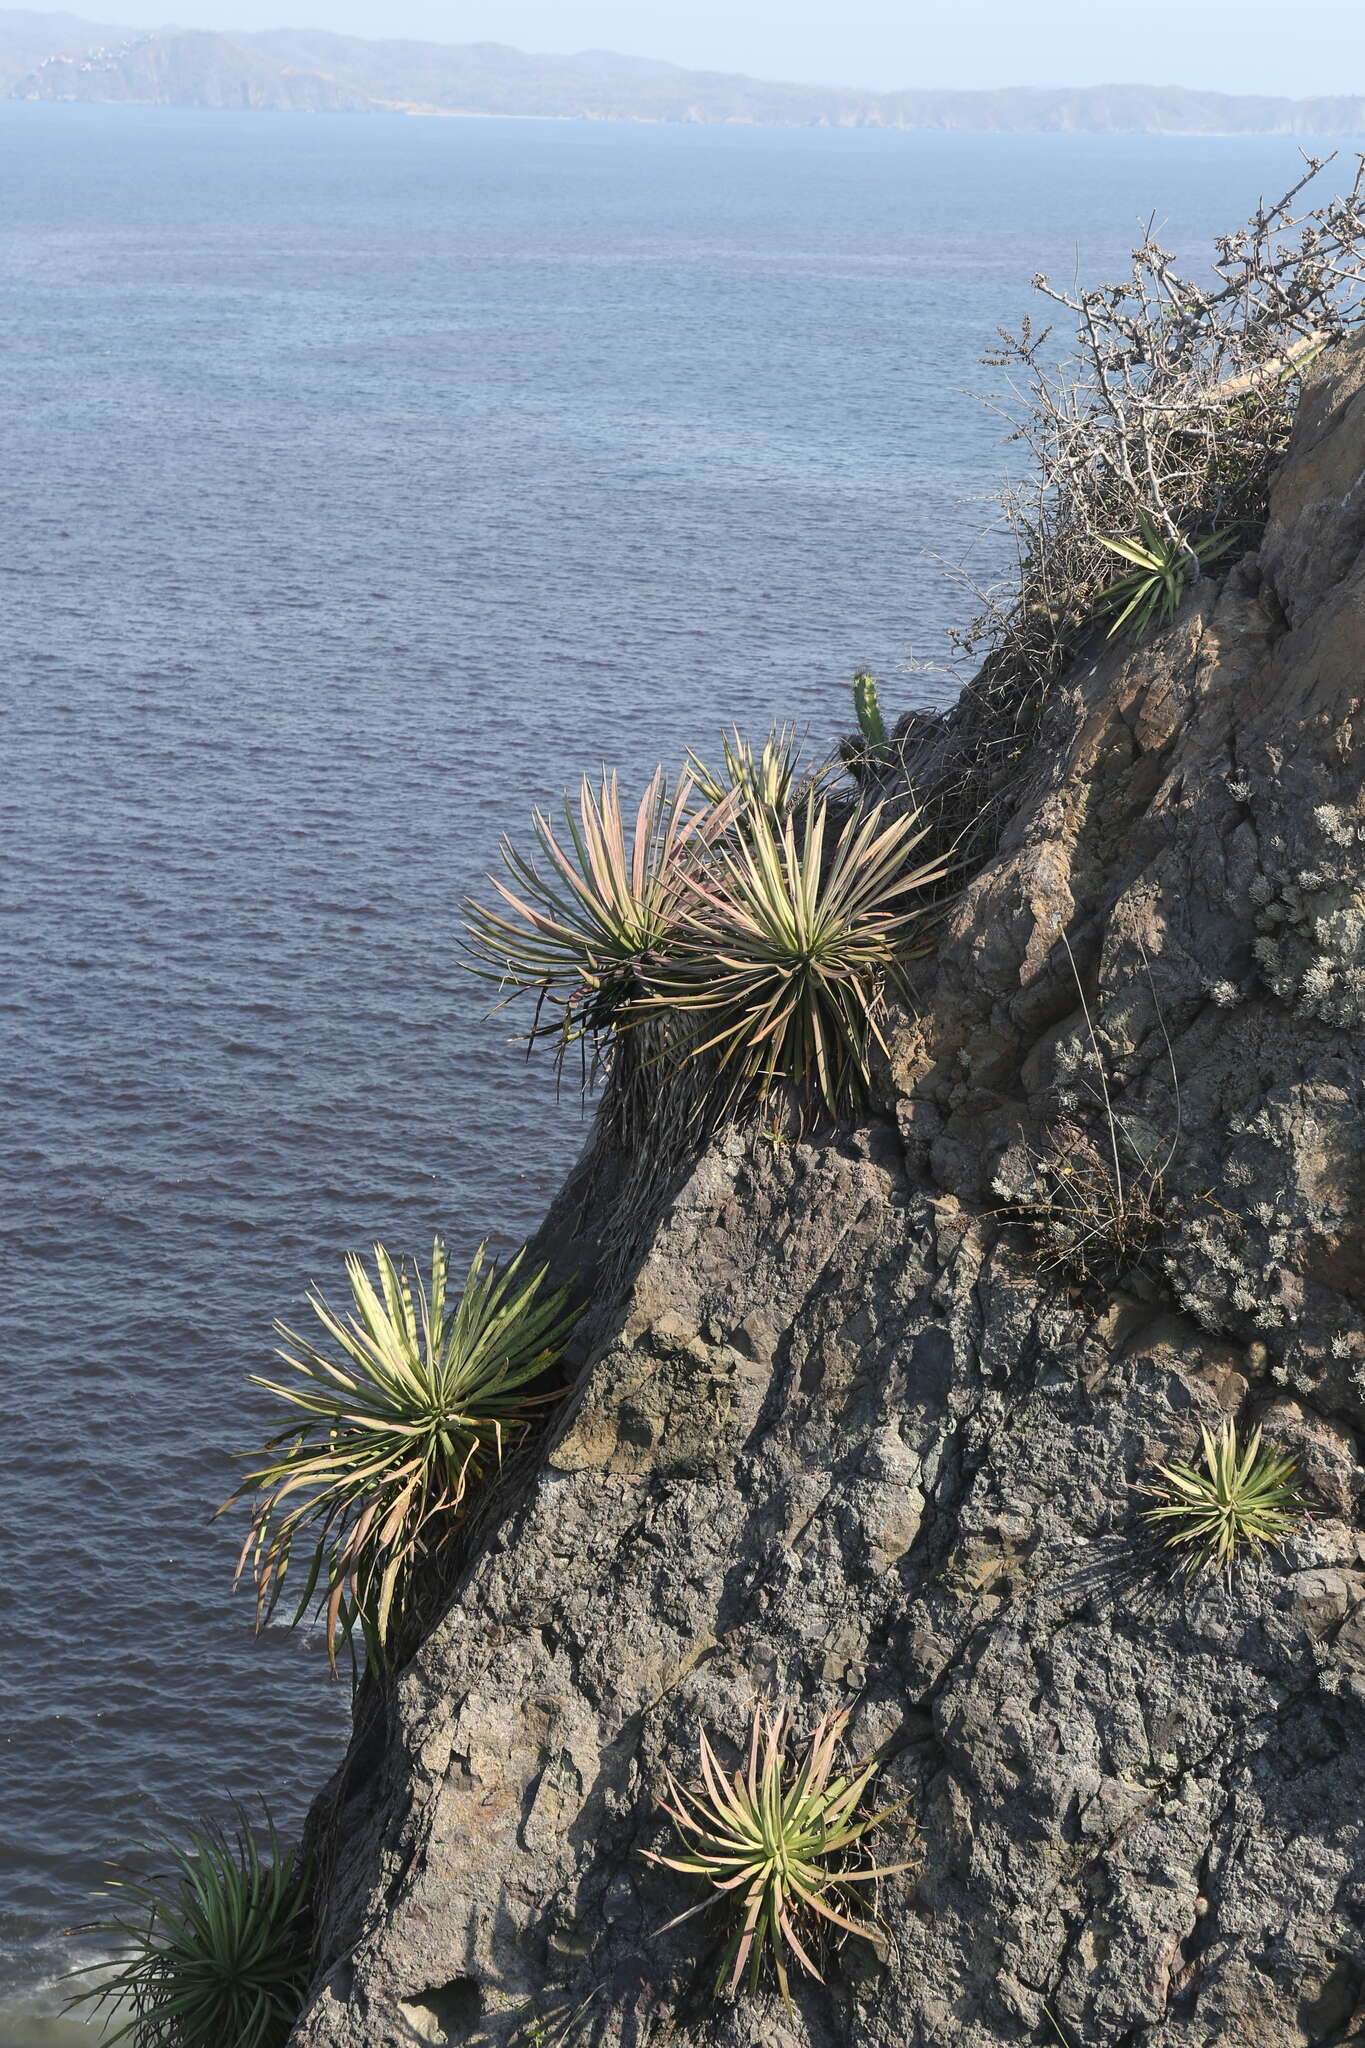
(841, 1435)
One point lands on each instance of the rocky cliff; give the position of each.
(60, 57)
(186, 68)
(847, 1433)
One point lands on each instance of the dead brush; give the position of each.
(1094, 1215)
(1158, 429)
(1094, 1198)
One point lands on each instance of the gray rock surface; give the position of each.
(846, 1436)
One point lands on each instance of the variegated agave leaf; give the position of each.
(777, 1846)
(418, 1397)
(1242, 1499)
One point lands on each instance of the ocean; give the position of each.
(366, 480)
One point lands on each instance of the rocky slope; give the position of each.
(842, 1437)
(186, 68)
(28, 39)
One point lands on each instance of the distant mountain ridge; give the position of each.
(61, 57)
(186, 68)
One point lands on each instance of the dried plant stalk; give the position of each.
(1167, 417)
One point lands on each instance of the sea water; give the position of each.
(365, 481)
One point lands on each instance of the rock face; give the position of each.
(846, 1436)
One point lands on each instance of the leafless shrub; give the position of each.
(1168, 417)
(1093, 1197)
(1095, 1209)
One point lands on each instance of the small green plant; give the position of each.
(375, 1470)
(214, 1952)
(778, 1846)
(868, 710)
(1242, 1499)
(1164, 568)
(786, 945)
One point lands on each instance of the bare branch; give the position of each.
(1170, 415)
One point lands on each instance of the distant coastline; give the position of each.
(64, 58)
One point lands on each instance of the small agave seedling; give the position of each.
(1242, 1499)
(214, 1952)
(769, 778)
(777, 1846)
(1164, 567)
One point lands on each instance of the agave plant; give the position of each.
(1243, 1499)
(375, 1469)
(768, 780)
(214, 1952)
(777, 1846)
(1164, 567)
(581, 928)
(785, 946)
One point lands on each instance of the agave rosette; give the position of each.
(214, 1950)
(391, 1433)
(583, 921)
(1162, 572)
(1242, 1498)
(787, 940)
(776, 1844)
(769, 779)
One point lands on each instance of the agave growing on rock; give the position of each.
(1243, 1499)
(735, 946)
(788, 942)
(390, 1435)
(213, 1952)
(1164, 568)
(581, 925)
(777, 1845)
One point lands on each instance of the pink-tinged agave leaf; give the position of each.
(776, 1845)
(787, 941)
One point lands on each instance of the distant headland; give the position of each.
(62, 57)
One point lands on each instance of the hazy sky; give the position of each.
(1236, 45)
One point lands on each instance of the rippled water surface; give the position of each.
(364, 480)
